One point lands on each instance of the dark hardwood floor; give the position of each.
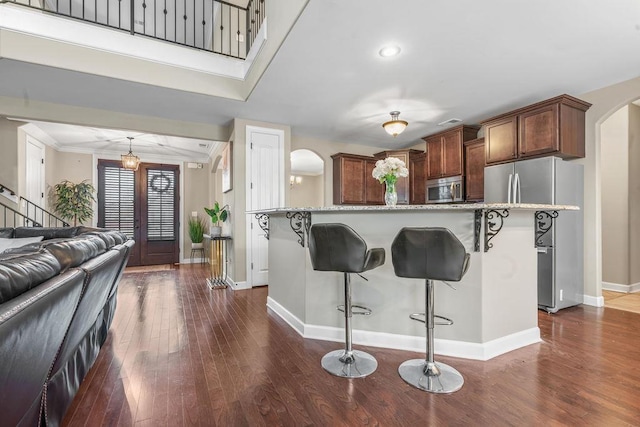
(181, 354)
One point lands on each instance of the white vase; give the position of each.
(215, 231)
(197, 245)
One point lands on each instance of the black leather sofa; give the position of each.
(57, 299)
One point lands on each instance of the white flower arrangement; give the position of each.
(389, 169)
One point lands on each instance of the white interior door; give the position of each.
(34, 183)
(265, 163)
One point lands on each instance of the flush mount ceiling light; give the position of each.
(395, 126)
(129, 160)
(388, 51)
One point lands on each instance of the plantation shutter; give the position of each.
(117, 200)
(160, 204)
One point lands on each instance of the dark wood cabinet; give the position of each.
(417, 178)
(403, 184)
(474, 162)
(503, 135)
(374, 191)
(444, 151)
(551, 127)
(353, 183)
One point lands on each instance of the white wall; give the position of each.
(634, 193)
(605, 102)
(615, 197)
(308, 193)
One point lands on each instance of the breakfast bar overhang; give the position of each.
(494, 307)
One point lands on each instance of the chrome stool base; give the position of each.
(433, 377)
(359, 365)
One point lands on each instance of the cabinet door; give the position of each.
(373, 189)
(501, 140)
(539, 131)
(452, 153)
(352, 182)
(434, 158)
(417, 178)
(402, 185)
(474, 170)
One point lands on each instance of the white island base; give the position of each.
(494, 307)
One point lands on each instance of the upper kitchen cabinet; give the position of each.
(444, 151)
(353, 183)
(403, 185)
(417, 178)
(474, 170)
(551, 127)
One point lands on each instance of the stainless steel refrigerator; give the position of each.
(548, 180)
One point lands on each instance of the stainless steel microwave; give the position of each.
(445, 190)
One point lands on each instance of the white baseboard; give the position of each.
(466, 350)
(286, 315)
(617, 287)
(593, 301)
(193, 261)
(237, 286)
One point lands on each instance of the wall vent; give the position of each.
(449, 122)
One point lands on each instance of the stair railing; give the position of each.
(13, 218)
(40, 215)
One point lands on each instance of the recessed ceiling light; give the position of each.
(391, 50)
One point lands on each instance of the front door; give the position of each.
(143, 204)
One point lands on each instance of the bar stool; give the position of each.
(431, 254)
(336, 247)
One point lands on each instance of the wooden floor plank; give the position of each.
(179, 353)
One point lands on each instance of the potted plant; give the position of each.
(74, 201)
(218, 214)
(197, 228)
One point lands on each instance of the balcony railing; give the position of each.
(212, 25)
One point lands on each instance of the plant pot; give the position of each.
(197, 245)
(215, 231)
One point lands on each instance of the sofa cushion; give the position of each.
(6, 232)
(73, 252)
(47, 232)
(17, 242)
(20, 273)
(110, 237)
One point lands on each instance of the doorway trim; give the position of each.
(147, 159)
(36, 143)
(249, 131)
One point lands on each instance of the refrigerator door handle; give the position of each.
(517, 198)
(509, 188)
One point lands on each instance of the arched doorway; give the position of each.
(620, 201)
(306, 183)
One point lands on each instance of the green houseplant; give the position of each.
(197, 228)
(74, 201)
(218, 214)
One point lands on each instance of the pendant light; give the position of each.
(129, 160)
(395, 126)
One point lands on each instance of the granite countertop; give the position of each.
(433, 207)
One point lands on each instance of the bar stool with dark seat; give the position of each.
(429, 253)
(336, 247)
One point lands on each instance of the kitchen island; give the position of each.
(494, 307)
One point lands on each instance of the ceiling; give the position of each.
(462, 59)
